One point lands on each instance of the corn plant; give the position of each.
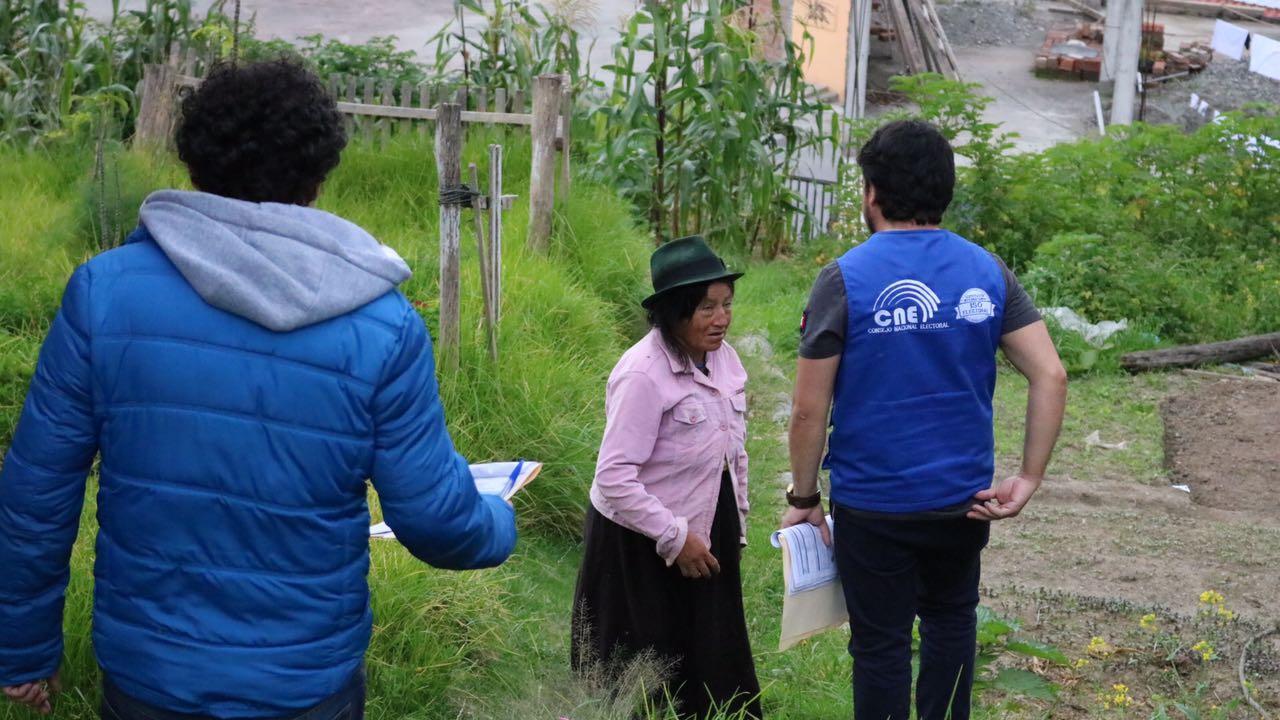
(62, 73)
(701, 129)
(509, 44)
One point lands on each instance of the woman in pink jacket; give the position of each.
(660, 574)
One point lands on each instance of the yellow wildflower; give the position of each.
(1226, 614)
(1148, 622)
(1205, 649)
(1098, 647)
(1080, 662)
(1119, 697)
(1211, 597)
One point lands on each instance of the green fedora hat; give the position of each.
(685, 261)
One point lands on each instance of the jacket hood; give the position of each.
(282, 266)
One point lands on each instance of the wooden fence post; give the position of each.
(566, 120)
(406, 100)
(159, 98)
(542, 176)
(388, 100)
(495, 229)
(483, 255)
(449, 172)
(424, 101)
(368, 122)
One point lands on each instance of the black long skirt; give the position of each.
(628, 603)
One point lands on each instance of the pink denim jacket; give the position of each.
(670, 432)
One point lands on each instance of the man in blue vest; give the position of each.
(899, 344)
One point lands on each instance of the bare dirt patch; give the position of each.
(1102, 527)
(1223, 439)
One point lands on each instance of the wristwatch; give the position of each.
(804, 502)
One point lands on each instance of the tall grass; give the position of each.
(561, 333)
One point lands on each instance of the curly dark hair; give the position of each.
(263, 132)
(913, 170)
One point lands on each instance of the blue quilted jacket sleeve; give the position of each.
(42, 492)
(427, 494)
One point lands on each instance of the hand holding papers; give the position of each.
(814, 599)
(503, 479)
(812, 564)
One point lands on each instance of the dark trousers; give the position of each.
(346, 704)
(892, 571)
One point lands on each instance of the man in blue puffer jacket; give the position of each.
(241, 367)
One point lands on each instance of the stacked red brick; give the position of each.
(1077, 53)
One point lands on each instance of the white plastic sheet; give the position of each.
(1095, 334)
(1229, 39)
(1264, 56)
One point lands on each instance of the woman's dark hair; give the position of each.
(263, 132)
(913, 169)
(674, 307)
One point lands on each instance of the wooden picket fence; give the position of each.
(377, 110)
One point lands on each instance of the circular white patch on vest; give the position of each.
(975, 306)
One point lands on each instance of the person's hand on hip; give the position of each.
(1005, 499)
(37, 694)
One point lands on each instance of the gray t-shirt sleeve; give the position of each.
(826, 317)
(1019, 310)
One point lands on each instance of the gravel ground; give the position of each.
(974, 24)
(1225, 84)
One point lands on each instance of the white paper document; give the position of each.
(1264, 56)
(812, 561)
(503, 479)
(814, 599)
(1229, 39)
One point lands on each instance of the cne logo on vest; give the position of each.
(906, 305)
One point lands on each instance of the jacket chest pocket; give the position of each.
(690, 423)
(738, 417)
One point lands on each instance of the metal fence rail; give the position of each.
(816, 197)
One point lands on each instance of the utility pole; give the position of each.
(857, 53)
(1127, 47)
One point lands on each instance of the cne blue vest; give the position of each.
(911, 426)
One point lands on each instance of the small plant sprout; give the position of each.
(1148, 623)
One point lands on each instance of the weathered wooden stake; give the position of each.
(449, 172)
(159, 98)
(406, 100)
(496, 206)
(368, 123)
(566, 120)
(482, 254)
(542, 177)
(424, 101)
(388, 99)
(353, 123)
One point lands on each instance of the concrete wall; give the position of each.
(828, 22)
